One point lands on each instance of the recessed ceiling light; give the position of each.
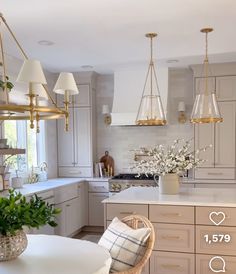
(86, 67)
(45, 43)
(171, 61)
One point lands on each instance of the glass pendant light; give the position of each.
(205, 108)
(151, 111)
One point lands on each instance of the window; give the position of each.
(20, 135)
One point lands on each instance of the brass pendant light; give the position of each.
(150, 112)
(205, 108)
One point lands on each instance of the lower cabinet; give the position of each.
(69, 220)
(172, 263)
(96, 211)
(72, 201)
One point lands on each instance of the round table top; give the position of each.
(59, 255)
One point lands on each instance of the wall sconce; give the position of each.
(182, 115)
(107, 115)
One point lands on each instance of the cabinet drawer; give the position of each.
(171, 263)
(75, 172)
(98, 186)
(173, 237)
(65, 193)
(123, 210)
(217, 215)
(202, 264)
(214, 173)
(217, 248)
(171, 214)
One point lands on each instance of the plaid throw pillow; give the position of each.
(125, 244)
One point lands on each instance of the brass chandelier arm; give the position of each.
(25, 56)
(26, 117)
(22, 108)
(4, 69)
(13, 36)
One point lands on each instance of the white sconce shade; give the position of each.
(40, 91)
(31, 72)
(181, 106)
(66, 83)
(105, 109)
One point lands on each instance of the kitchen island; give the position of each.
(195, 230)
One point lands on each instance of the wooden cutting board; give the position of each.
(108, 162)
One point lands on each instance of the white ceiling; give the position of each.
(109, 34)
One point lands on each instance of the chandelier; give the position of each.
(205, 108)
(150, 112)
(32, 74)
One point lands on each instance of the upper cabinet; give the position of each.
(220, 159)
(83, 98)
(226, 88)
(225, 136)
(75, 147)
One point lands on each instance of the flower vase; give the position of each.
(169, 184)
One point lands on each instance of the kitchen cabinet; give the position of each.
(225, 88)
(180, 233)
(220, 159)
(205, 136)
(75, 147)
(69, 200)
(96, 215)
(98, 191)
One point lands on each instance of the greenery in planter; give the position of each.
(6, 84)
(16, 212)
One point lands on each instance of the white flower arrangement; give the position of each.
(161, 160)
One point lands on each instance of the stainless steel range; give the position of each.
(126, 180)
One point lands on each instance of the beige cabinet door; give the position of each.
(73, 216)
(65, 142)
(82, 137)
(96, 208)
(204, 136)
(83, 98)
(225, 136)
(226, 88)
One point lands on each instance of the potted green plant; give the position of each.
(15, 214)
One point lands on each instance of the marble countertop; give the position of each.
(187, 196)
(29, 189)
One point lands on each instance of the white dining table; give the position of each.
(47, 254)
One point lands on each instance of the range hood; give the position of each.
(128, 89)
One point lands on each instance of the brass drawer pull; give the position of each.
(170, 266)
(215, 173)
(170, 237)
(127, 213)
(171, 214)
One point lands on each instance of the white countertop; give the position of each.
(187, 196)
(29, 189)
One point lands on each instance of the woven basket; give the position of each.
(12, 246)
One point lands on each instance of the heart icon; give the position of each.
(217, 217)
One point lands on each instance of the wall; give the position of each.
(120, 141)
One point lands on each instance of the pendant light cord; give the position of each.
(206, 63)
(151, 66)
